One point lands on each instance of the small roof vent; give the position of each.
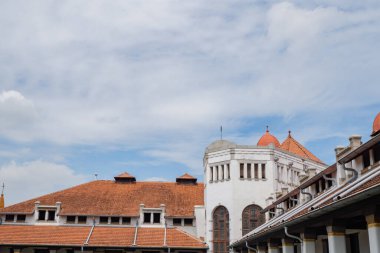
(125, 178)
(186, 179)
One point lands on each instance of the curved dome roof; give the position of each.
(220, 144)
(267, 139)
(376, 125)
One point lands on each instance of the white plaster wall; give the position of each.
(200, 221)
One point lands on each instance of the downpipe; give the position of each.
(293, 237)
(333, 180)
(249, 247)
(308, 194)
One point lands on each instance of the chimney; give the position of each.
(284, 191)
(355, 141)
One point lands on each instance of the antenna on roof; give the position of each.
(2, 189)
(96, 176)
(267, 128)
(221, 132)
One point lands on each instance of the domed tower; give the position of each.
(268, 139)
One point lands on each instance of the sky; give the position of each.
(103, 87)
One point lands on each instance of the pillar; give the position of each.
(373, 223)
(261, 249)
(273, 247)
(336, 239)
(17, 250)
(287, 245)
(53, 251)
(308, 242)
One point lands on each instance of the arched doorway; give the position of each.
(252, 218)
(221, 230)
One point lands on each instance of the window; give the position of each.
(51, 215)
(376, 153)
(256, 168)
(177, 222)
(82, 219)
(188, 222)
(41, 214)
(263, 171)
(115, 220)
(70, 219)
(156, 218)
(242, 170)
(366, 160)
(252, 218)
(69, 251)
(103, 220)
(147, 217)
(222, 171)
(221, 230)
(9, 217)
(211, 173)
(41, 251)
(228, 171)
(21, 218)
(126, 220)
(249, 171)
(217, 172)
(354, 243)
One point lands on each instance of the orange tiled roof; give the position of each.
(376, 125)
(125, 175)
(186, 176)
(293, 146)
(103, 197)
(267, 139)
(100, 237)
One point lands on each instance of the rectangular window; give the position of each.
(217, 172)
(211, 173)
(263, 171)
(70, 219)
(82, 219)
(9, 217)
(242, 170)
(249, 175)
(115, 220)
(222, 171)
(41, 214)
(177, 222)
(51, 215)
(41, 251)
(126, 220)
(366, 160)
(103, 220)
(376, 153)
(147, 217)
(188, 222)
(156, 218)
(21, 218)
(256, 167)
(69, 251)
(354, 243)
(228, 171)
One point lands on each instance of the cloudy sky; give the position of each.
(143, 86)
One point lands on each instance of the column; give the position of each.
(287, 245)
(17, 250)
(336, 239)
(53, 251)
(261, 249)
(373, 222)
(308, 242)
(273, 247)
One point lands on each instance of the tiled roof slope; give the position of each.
(293, 146)
(101, 236)
(109, 198)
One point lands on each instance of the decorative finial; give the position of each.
(2, 189)
(267, 129)
(290, 133)
(96, 176)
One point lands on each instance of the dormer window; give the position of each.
(46, 215)
(82, 219)
(9, 217)
(152, 217)
(21, 218)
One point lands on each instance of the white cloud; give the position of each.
(163, 75)
(155, 179)
(32, 179)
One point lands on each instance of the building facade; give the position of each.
(270, 197)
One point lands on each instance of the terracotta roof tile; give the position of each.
(109, 198)
(43, 235)
(186, 176)
(101, 236)
(267, 139)
(293, 146)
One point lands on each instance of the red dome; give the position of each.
(267, 139)
(376, 125)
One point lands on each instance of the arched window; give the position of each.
(221, 230)
(252, 218)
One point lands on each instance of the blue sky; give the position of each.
(143, 86)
